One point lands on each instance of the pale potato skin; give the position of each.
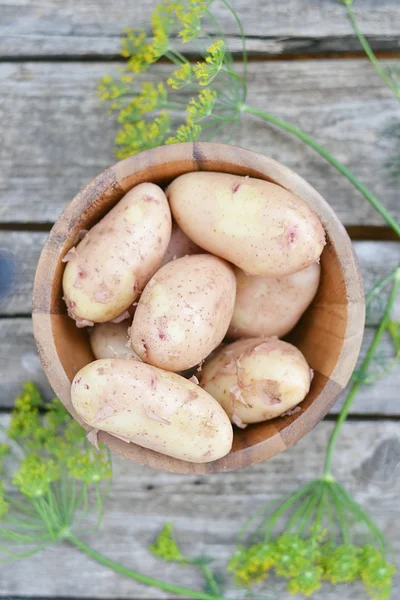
(153, 408)
(117, 257)
(179, 245)
(184, 312)
(259, 226)
(257, 379)
(109, 340)
(271, 307)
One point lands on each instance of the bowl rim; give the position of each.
(117, 179)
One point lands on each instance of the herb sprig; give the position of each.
(177, 23)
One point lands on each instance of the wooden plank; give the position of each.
(23, 248)
(376, 260)
(55, 137)
(19, 362)
(48, 28)
(207, 513)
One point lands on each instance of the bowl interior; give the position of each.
(329, 334)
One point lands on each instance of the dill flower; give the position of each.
(185, 133)
(166, 547)
(149, 98)
(25, 417)
(307, 581)
(180, 77)
(90, 467)
(191, 19)
(207, 70)
(202, 107)
(341, 563)
(290, 551)
(142, 135)
(251, 565)
(34, 476)
(376, 573)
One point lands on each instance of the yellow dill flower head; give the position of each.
(185, 133)
(150, 97)
(25, 415)
(376, 572)
(111, 89)
(207, 70)
(307, 581)
(341, 563)
(202, 107)
(34, 476)
(191, 18)
(142, 135)
(163, 19)
(251, 565)
(91, 467)
(166, 547)
(3, 502)
(180, 77)
(133, 41)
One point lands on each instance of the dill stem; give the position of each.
(210, 579)
(145, 579)
(362, 371)
(369, 52)
(285, 506)
(372, 199)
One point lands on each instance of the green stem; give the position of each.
(209, 577)
(372, 199)
(244, 51)
(285, 506)
(362, 371)
(145, 579)
(369, 52)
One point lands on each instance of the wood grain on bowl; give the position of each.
(329, 334)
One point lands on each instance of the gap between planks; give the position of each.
(331, 55)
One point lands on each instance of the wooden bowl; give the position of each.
(329, 334)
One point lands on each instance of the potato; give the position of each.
(257, 379)
(259, 226)
(179, 245)
(184, 312)
(109, 340)
(116, 258)
(267, 307)
(152, 408)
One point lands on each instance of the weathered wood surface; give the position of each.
(19, 362)
(376, 260)
(92, 28)
(55, 137)
(207, 513)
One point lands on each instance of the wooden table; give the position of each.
(54, 138)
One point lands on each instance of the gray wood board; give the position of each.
(376, 260)
(47, 28)
(207, 513)
(19, 362)
(55, 137)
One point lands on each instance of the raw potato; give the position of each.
(184, 312)
(257, 379)
(109, 340)
(259, 226)
(116, 258)
(179, 245)
(152, 408)
(267, 307)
